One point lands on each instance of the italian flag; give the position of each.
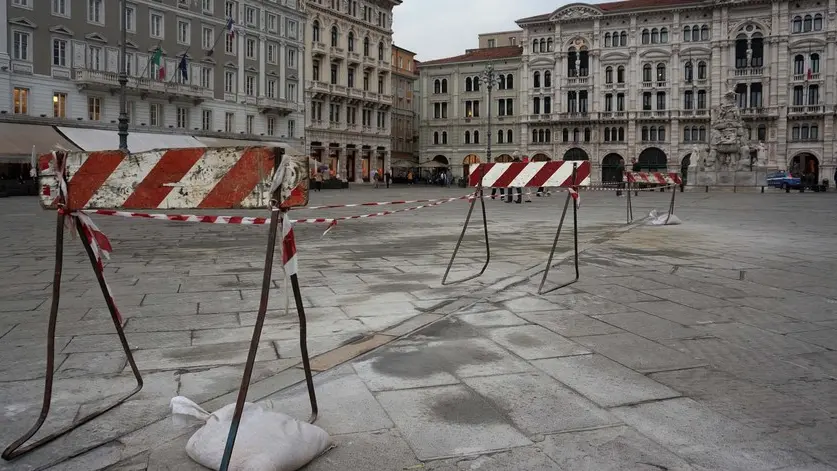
(157, 60)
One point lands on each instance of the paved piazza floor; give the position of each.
(711, 345)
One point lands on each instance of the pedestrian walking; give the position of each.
(388, 178)
(410, 177)
(375, 177)
(318, 181)
(519, 190)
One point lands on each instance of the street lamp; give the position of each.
(489, 78)
(123, 79)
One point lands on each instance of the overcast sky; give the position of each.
(442, 28)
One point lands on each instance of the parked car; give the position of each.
(783, 180)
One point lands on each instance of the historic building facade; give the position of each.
(624, 80)
(213, 77)
(348, 88)
(403, 130)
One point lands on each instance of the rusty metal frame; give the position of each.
(16, 449)
(630, 208)
(558, 235)
(479, 194)
(276, 215)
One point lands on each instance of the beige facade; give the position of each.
(59, 65)
(348, 87)
(500, 39)
(404, 132)
(625, 80)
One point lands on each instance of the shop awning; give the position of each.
(16, 141)
(101, 139)
(221, 142)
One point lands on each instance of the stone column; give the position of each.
(387, 161)
(283, 59)
(341, 163)
(262, 66)
(359, 165)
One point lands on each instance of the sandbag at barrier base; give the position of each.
(267, 440)
(662, 219)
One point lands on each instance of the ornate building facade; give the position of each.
(348, 87)
(615, 81)
(59, 66)
(404, 136)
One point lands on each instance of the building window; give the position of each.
(380, 51)
(156, 25)
(688, 100)
(646, 73)
(272, 23)
(334, 74)
(229, 44)
(292, 58)
(351, 78)
(155, 114)
(271, 88)
(229, 122)
(315, 31)
(184, 32)
(207, 38)
(291, 29)
(250, 124)
(271, 53)
(335, 36)
(250, 85)
(95, 61)
(94, 108)
(59, 8)
(250, 48)
(661, 100)
(271, 126)
(182, 117)
(292, 92)
(59, 105)
(291, 129)
(207, 6)
(21, 98)
(21, 46)
(96, 11)
(230, 10)
(59, 52)
(250, 16)
(229, 81)
(206, 120)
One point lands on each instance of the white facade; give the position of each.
(348, 87)
(247, 89)
(648, 94)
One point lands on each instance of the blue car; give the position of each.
(783, 180)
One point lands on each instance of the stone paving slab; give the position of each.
(759, 296)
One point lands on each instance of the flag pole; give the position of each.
(123, 80)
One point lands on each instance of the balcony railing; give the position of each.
(578, 80)
(279, 104)
(804, 77)
(369, 60)
(101, 80)
(808, 109)
(354, 57)
(386, 99)
(748, 72)
(318, 48)
(317, 86)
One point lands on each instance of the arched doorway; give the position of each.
(612, 167)
(684, 167)
(466, 164)
(503, 158)
(653, 159)
(807, 165)
(540, 158)
(441, 159)
(576, 154)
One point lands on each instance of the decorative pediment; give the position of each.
(208, 60)
(806, 43)
(575, 12)
(61, 29)
(21, 21)
(698, 51)
(655, 53)
(539, 61)
(272, 73)
(293, 76)
(231, 65)
(130, 44)
(95, 37)
(615, 57)
(185, 53)
(252, 69)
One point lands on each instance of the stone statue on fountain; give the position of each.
(729, 149)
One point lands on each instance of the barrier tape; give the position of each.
(262, 220)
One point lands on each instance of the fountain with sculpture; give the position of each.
(729, 161)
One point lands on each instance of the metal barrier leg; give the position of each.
(254, 343)
(671, 206)
(555, 242)
(14, 450)
(630, 204)
(478, 195)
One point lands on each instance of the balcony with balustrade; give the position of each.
(279, 106)
(318, 49)
(99, 80)
(800, 110)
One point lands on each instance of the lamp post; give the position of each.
(489, 79)
(123, 79)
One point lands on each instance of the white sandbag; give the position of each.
(659, 219)
(266, 440)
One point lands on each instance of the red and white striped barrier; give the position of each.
(530, 174)
(222, 178)
(654, 178)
